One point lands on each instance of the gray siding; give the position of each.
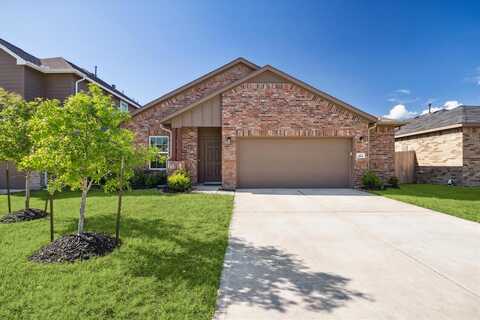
(34, 84)
(11, 75)
(59, 86)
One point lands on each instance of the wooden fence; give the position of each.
(405, 163)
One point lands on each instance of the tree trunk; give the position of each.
(27, 190)
(7, 177)
(81, 221)
(119, 209)
(51, 217)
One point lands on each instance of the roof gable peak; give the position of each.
(281, 74)
(202, 78)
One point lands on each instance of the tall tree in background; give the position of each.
(15, 142)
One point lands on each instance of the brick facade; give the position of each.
(439, 174)
(268, 107)
(441, 148)
(286, 110)
(382, 151)
(189, 151)
(471, 156)
(445, 154)
(147, 122)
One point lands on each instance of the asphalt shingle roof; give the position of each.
(440, 119)
(22, 54)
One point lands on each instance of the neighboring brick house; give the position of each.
(242, 125)
(446, 145)
(53, 78)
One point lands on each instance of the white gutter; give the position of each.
(77, 83)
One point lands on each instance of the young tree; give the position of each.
(43, 137)
(125, 159)
(82, 139)
(15, 142)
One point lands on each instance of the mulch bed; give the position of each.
(73, 247)
(23, 215)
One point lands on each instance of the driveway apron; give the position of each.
(345, 254)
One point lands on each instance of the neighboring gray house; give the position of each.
(446, 145)
(53, 78)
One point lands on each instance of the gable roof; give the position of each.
(281, 74)
(441, 120)
(60, 65)
(197, 81)
(20, 53)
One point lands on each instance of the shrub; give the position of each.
(138, 179)
(142, 179)
(179, 181)
(393, 182)
(371, 181)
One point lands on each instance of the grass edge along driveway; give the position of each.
(461, 202)
(168, 266)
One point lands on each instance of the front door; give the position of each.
(210, 155)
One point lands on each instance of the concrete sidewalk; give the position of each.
(344, 254)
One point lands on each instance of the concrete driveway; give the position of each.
(343, 254)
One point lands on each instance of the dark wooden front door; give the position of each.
(210, 155)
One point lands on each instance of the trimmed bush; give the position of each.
(370, 180)
(179, 181)
(393, 182)
(148, 179)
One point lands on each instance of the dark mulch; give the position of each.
(23, 215)
(75, 247)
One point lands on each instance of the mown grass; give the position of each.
(462, 202)
(168, 266)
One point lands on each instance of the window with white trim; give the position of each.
(123, 106)
(162, 144)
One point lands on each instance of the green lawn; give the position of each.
(462, 202)
(167, 268)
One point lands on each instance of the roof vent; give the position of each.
(429, 108)
(114, 86)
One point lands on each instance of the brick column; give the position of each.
(189, 138)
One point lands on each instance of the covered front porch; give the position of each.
(199, 151)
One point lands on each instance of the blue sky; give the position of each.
(372, 54)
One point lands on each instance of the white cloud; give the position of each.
(400, 112)
(401, 96)
(448, 105)
(452, 104)
(403, 91)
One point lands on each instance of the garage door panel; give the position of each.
(292, 162)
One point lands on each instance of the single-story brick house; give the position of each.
(446, 145)
(242, 125)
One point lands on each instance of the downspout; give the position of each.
(78, 82)
(368, 147)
